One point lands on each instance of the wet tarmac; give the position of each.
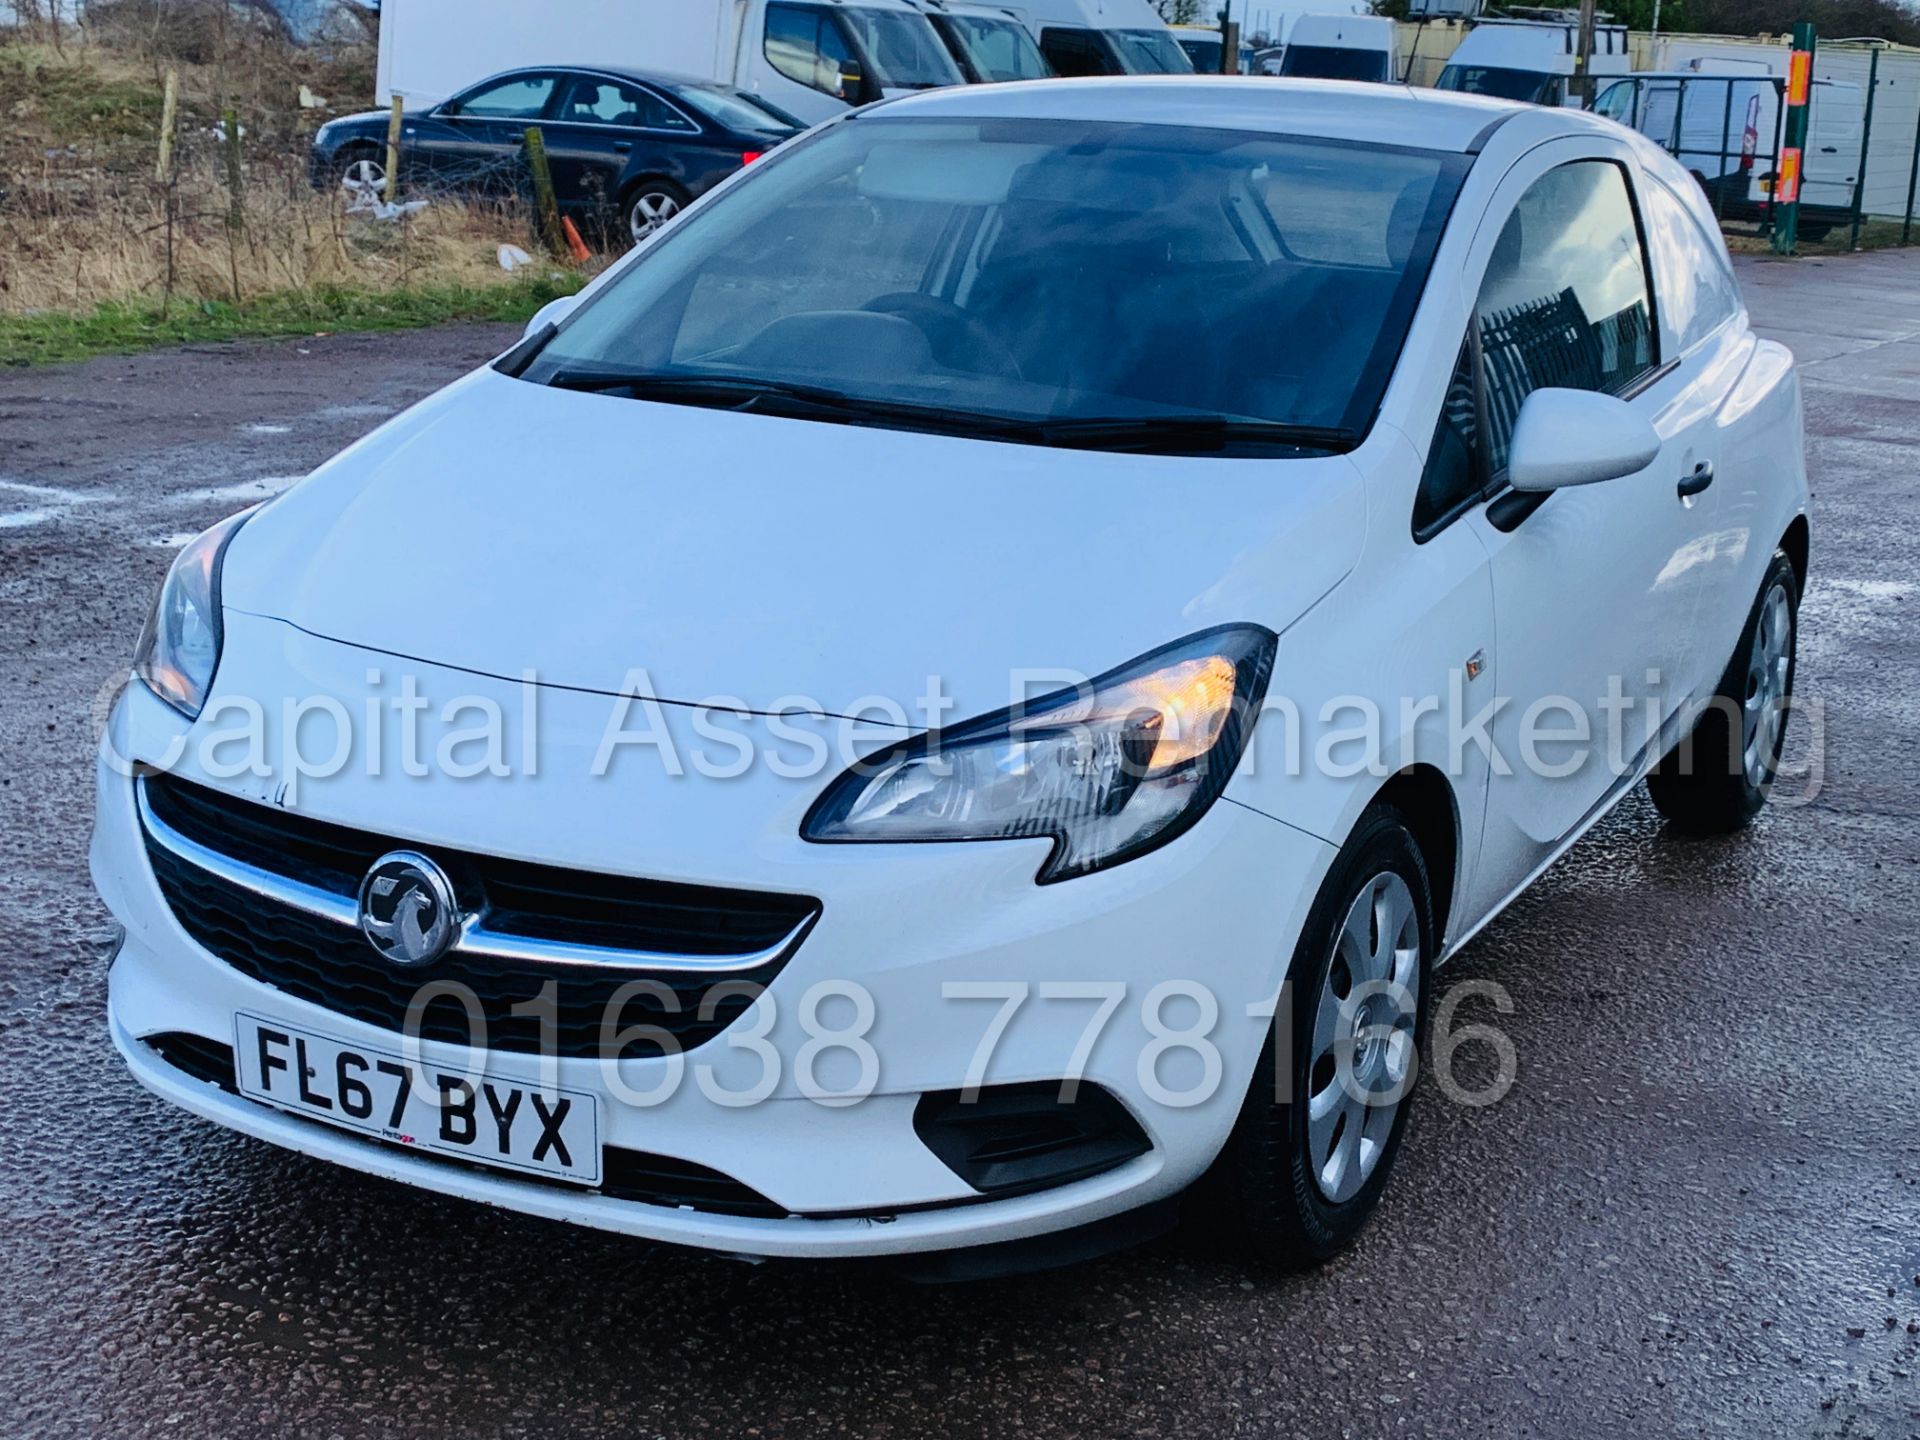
(1696, 1212)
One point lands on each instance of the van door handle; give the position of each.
(621, 147)
(1699, 480)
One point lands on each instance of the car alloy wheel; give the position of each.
(1769, 662)
(1363, 1037)
(362, 178)
(649, 211)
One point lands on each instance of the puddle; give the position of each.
(52, 492)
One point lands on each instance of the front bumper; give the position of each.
(1221, 907)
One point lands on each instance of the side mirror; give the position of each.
(551, 313)
(1577, 437)
(852, 81)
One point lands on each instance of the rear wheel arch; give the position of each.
(651, 180)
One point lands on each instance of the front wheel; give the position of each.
(1718, 777)
(1319, 1130)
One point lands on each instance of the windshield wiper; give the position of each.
(1146, 435)
(793, 399)
(1191, 434)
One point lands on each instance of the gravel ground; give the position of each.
(1696, 1212)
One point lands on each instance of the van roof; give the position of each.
(1328, 109)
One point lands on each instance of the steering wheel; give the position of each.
(958, 340)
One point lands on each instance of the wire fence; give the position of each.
(225, 212)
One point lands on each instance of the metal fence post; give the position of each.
(1866, 144)
(1913, 176)
(1786, 180)
(1726, 143)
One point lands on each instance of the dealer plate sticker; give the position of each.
(449, 1111)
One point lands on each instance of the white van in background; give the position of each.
(1531, 60)
(1726, 129)
(812, 58)
(990, 43)
(1206, 49)
(1104, 37)
(1342, 47)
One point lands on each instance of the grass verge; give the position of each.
(121, 327)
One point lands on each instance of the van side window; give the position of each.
(1452, 476)
(806, 45)
(1697, 290)
(1073, 52)
(1566, 301)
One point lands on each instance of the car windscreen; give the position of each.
(1334, 62)
(1150, 52)
(903, 48)
(1497, 81)
(998, 49)
(736, 110)
(981, 275)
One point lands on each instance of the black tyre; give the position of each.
(1717, 778)
(1308, 1159)
(649, 205)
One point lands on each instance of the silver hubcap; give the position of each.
(1767, 665)
(363, 177)
(650, 212)
(1362, 1052)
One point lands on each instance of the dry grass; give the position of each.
(69, 249)
(84, 221)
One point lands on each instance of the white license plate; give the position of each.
(445, 1109)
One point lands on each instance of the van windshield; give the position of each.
(1131, 286)
(996, 49)
(1334, 62)
(1534, 86)
(903, 48)
(1150, 52)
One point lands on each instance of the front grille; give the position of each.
(566, 1008)
(625, 1174)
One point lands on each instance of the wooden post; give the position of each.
(163, 179)
(169, 110)
(1583, 56)
(546, 208)
(393, 148)
(236, 197)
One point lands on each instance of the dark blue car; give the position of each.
(623, 146)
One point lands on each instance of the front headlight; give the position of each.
(180, 646)
(1108, 770)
